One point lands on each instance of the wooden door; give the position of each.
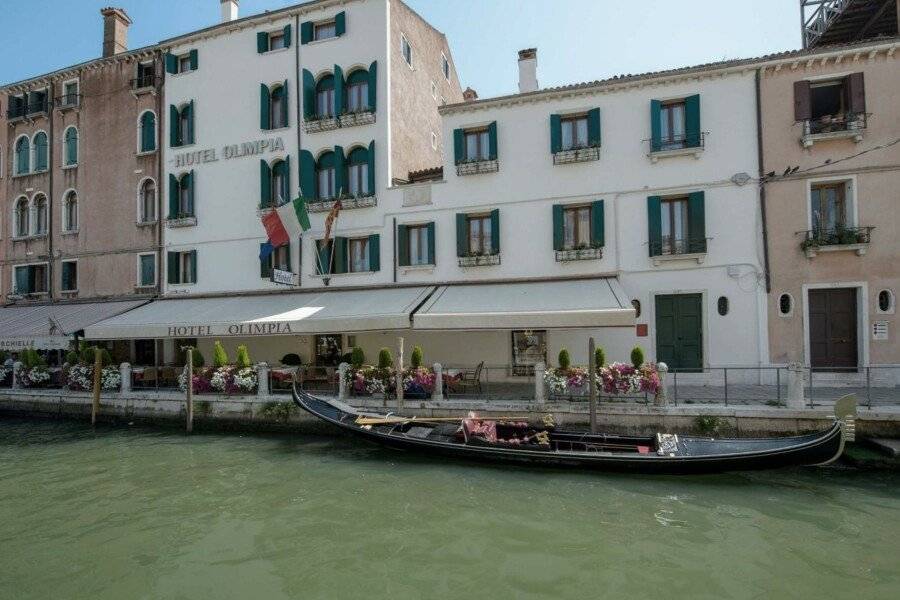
(833, 329)
(679, 330)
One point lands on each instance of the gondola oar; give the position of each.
(395, 420)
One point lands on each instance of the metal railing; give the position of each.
(668, 246)
(845, 122)
(678, 142)
(837, 236)
(38, 106)
(143, 82)
(16, 111)
(477, 166)
(68, 100)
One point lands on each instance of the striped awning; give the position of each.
(51, 326)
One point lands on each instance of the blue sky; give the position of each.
(577, 40)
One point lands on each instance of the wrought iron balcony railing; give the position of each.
(15, 111)
(479, 260)
(849, 122)
(476, 166)
(837, 236)
(143, 82)
(668, 246)
(678, 142)
(68, 100)
(574, 155)
(38, 106)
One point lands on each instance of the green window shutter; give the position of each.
(459, 146)
(373, 84)
(193, 59)
(654, 225)
(495, 231)
(148, 132)
(340, 23)
(287, 261)
(402, 245)
(65, 276)
(173, 196)
(655, 126)
(71, 157)
(173, 127)
(598, 224)
(594, 127)
(284, 104)
(307, 174)
(696, 222)
(692, 121)
(340, 174)
(324, 254)
(374, 252)
(172, 270)
(555, 134)
(492, 140)
(432, 259)
(171, 63)
(191, 117)
(264, 107)
(340, 255)
(287, 177)
(262, 42)
(265, 264)
(462, 235)
(309, 95)
(339, 85)
(192, 184)
(371, 167)
(265, 184)
(193, 255)
(287, 36)
(22, 279)
(306, 32)
(558, 225)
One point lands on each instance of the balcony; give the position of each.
(576, 155)
(678, 249)
(479, 260)
(330, 122)
(573, 254)
(848, 239)
(354, 119)
(181, 221)
(831, 127)
(478, 166)
(144, 84)
(68, 101)
(319, 124)
(347, 203)
(15, 111)
(38, 107)
(678, 145)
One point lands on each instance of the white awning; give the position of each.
(50, 326)
(262, 315)
(531, 305)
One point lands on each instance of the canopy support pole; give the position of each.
(190, 389)
(592, 383)
(399, 375)
(98, 367)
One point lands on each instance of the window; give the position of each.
(184, 124)
(17, 106)
(145, 75)
(328, 350)
(479, 228)
(273, 40)
(31, 279)
(829, 106)
(147, 201)
(445, 67)
(406, 50)
(886, 302)
(323, 31)
(279, 258)
(40, 151)
(785, 305)
(37, 102)
(185, 196)
(70, 94)
(276, 41)
(674, 219)
(325, 97)
(477, 145)
(23, 156)
(577, 227)
(280, 192)
(358, 91)
(433, 90)
(828, 207)
(529, 348)
(146, 270)
(433, 141)
(722, 305)
(278, 108)
(40, 215)
(23, 218)
(418, 245)
(637, 308)
(147, 132)
(358, 173)
(181, 130)
(69, 275)
(183, 267)
(70, 149)
(70, 212)
(672, 125)
(184, 63)
(574, 132)
(325, 174)
(359, 255)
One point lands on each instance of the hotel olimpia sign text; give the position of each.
(198, 157)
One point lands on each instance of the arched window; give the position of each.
(181, 130)
(147, 133)
(40, 214)
(358, 91)
(70, 212)
(358, 172)
(23, 218)
(325, 96)
(147, 201)
(70, 154)
(23, 156)
(278, 107)
(325, 176)
(40, 151)
(186, 196)
(280, 192)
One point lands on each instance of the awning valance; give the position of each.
(262, 315)
(50, 326)
(597, 302)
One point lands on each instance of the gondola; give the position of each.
(516, 441)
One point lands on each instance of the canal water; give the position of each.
(125, 513)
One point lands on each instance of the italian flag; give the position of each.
(286, 222)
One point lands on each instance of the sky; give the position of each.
(577, 40)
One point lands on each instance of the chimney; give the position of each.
(115, 30)
(469, 95)
(229, 10)
(528, 70)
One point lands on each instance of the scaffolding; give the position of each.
(827, 22)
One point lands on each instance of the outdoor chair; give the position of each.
(469, 380)
(148, 377)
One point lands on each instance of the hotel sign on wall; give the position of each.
(199, 157)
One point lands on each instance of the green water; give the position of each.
(124, 513)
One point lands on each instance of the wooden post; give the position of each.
(98, 368)
(190, 390)
(592, 384)
(399, 375)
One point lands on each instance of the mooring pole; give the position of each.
(98, 367)
(399, 375)
(190, 390)
(592, 384)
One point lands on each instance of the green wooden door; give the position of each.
(679, 331)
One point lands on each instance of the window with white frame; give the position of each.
(22, 218)
(40, 214)
(574, 132)
(406, 50)
(23, 155)
(276, 40)
(324, 30)
(829, 206)
(70, 147)
(69, 276)
(445, 66)
(479, 229)
(146, 275)
(147, 201)
(30, 279)
(417, 236)
(70, 212)
(576, 227)
(359, 255)
(477, 144)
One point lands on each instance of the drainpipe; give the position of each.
(395, 246)
(51, 193)
(160, 166)
(762, 184)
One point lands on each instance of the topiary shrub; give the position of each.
(72, 357)
(88, 358)
(220, 357)
(599, 357)
(564, 361)
(417, 357)
(3, 356)
(30, 359)
(385, 359)
(637, 357)
(243, 357)
(357, 357)
(197, 359)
